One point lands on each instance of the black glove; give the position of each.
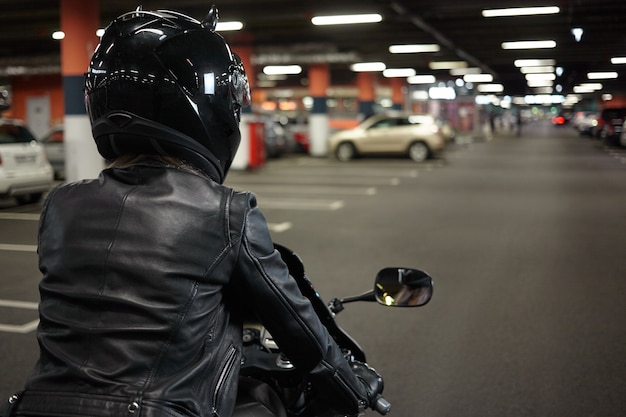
(371, 380)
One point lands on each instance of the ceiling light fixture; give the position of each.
(228, 26)
(533, 62)
(618, 60)
(578, 33)
(478, 78)
(58, 35)
(534, 70)
(490, 88)
(540, 76)
(414, 48)
(520, 11)
(398, 72)
(529, 44)
(421, 79)
(346, 19)
(282, 69)
(602, 75)
(368, 67)
(447, 65)
(458, 72)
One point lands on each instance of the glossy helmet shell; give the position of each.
(162, 82)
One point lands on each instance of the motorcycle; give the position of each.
(263, 360)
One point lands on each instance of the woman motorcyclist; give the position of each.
(147, 269)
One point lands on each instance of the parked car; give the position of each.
(612, 122)
(25, 172)
(417, 135)
(622, 136)
(53, 143)
(274, 137)
(585, 122)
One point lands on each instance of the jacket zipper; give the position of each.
(231, 357)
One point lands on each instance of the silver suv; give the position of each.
(25, 172)
(419, 136)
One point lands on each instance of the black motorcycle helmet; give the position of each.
(161, 82)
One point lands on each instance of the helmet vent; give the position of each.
(120, 119)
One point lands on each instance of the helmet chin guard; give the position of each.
(162, 82)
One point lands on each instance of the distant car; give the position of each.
(585, 122)
(275, 139)
(417, 135)
(612, 122)
(25, 172)
(53, 143)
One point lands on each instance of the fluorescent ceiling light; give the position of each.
(540, 76)
(582, 90)
(592, 86)
(414, 49)
(398, 72)
(533, 62)
(520, 11)
(228, 26)
(368, 67)
(618, 60)
(443, 65)
(534, 70)
(458, 72)
(282, 69)
(602, 75)
(421, 79)
(478, 78)
(490, 88)
(539, 83)
(346, 19)
(529, 45)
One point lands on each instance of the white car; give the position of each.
(25, 172)
(417, 135)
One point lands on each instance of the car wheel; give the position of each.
(345, 151)
(419, 152)
(28, 198)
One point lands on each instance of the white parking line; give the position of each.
(18, 248)
(22, 328)
(300, 204)
(18, 216)
(19, 328)
(29, 305)
(292, 189)
(279, 227)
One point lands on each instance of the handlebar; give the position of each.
(381, 405)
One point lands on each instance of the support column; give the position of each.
(242, 157)
(79, 21)
(319, 80)
(397, 93)
(367, 94)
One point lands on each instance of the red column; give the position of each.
(397, 93)
(367, 93)
(79, 21)
(319, 80)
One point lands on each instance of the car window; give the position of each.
(15, 134)
(384, 123)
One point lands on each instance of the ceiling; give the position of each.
(281, 31)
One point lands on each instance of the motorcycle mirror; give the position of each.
(403, 287)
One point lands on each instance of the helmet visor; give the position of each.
(239, 83)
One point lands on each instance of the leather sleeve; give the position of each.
(268, 289)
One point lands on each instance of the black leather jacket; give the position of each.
(146, 273)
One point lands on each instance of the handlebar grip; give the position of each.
(381, 405)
